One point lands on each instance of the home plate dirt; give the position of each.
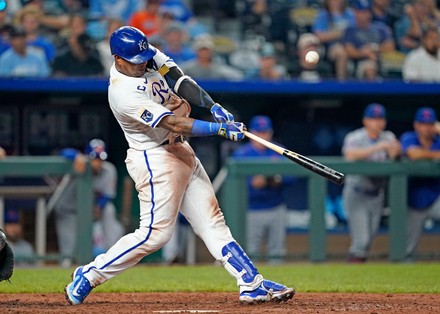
(210, 302)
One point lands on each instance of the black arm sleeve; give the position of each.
(188, 89)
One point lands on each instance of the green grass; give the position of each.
(368, 278)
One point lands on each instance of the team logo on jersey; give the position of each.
(160, 90)
(146, 115)
(143, 45)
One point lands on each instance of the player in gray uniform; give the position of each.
(143, 89)
(106, 228)
(363, 197)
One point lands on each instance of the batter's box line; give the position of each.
(188, 311)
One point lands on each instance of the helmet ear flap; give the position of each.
(131, 44)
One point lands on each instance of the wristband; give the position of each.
(204, 128)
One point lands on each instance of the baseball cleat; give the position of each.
(78, 289)
(267, 291)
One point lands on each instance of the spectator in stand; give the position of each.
(365, 42)
(423, 64)
(246, 58)
(78, 57)
(148, 20)
(53, 16)
(176, 43)
(5, 27)
(419, 16)
(103, 46)
(255, 18)
(330, 24)
(309, 72)
(29, 20)
(364, 196)
(178, 10)
(21, 60)
(270, 68)
(100, 11)
(381, 12)
(206, 65)
(423, 192)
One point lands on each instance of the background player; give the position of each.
(423, 192)
(106, 227)
(364, 196)
(266, 215)
(166, 172)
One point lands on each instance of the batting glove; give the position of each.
(232, 131)
(220, 114)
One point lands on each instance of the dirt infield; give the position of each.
(109, 303)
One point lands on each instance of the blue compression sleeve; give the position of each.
(204, 128)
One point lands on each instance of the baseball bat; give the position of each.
(301, 160)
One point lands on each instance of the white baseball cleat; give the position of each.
(267, 291)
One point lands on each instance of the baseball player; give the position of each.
(144, 89)
(106, 228)
(423, 192)
(267, 209)
(364, 196)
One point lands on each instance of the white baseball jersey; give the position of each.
(168, 177)
(138, 104)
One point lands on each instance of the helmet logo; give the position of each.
(143, 45)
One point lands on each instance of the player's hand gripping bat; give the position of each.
(301, 160)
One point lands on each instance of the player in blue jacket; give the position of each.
(266, 215)
(423, 192)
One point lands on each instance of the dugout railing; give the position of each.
(233, 196)
(40, 166)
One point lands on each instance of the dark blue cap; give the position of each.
(375, 111)
(425, 115)
(260, 124)
(12, 216)
(362, 4)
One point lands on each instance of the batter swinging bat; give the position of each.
(301, 160)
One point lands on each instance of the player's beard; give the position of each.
(137, 70)
(432, 51)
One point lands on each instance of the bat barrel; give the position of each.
(325, 171)
(316, 167)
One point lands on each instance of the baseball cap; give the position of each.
(268, 50)
(260, 124)
(362, 4)
(203, 41)
(425, 115)
(12, 216)
(375, 111)
(307, 39)
(96, 149)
